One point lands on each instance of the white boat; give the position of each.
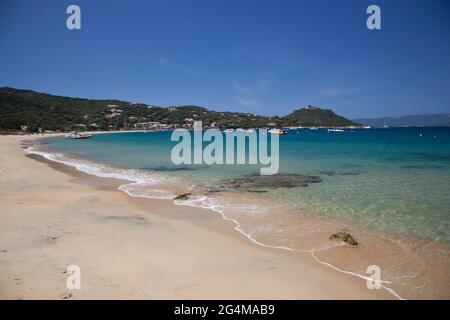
(335, 130)
(77, 135)
(277, 131)
(228, 131)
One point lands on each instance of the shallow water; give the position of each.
(392, 179)
(390, 188)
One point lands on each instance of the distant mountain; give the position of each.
(30, 110)
(431, 120)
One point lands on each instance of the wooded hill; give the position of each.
(30, 110)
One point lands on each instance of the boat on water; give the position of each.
(277, 131)
(77, 135)
(335, 130)
(239, 130)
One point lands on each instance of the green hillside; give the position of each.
(29, 110)
(313, 117)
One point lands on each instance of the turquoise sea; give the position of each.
(395, 179)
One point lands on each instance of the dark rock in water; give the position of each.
(432, 156)
(183, 196)
(328, 172)
(345, 237)
(350, 165)
(423, 166)
(261, 183)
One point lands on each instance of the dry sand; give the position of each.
(52, 216)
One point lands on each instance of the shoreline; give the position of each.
(319, 256)
(226, 264)
(62, 166)
(402, 259)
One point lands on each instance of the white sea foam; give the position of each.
(145, 190)
(143, 184)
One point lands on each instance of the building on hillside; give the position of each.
(153, 125)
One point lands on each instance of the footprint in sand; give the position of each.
(65, 295)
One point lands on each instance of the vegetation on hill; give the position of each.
(312, 116)
(29, 110)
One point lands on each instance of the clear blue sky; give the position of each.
(259, 56)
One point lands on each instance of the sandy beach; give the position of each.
(53, 216)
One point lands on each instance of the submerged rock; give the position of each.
(183, 196)
(328, 172)
(424, 166)
(260, 183)
(345, 237)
